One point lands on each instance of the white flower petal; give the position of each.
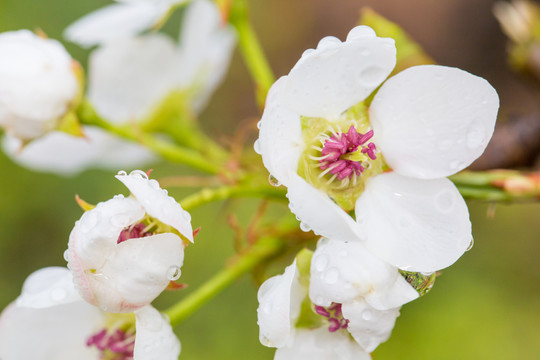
(369, 326)
(95, 236)
(157, 203)
(416, 225)
(136, 272)
(37, 83)
(128, 77)
(320, 344)
(316, 211)
(432, 121)
(330, 79)
(280, 140)
(279, 298)
(48, 287)
(116, 21)
(56, 332)
(155, 339)
(342, 271)
(63, 154)
(399, 293)
(206, 45)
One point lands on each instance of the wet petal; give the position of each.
(416, 225)
(279, 306)
(342, 271)
(136, 272)
(116, 21)
(368, 326)
(280, 140)
(320, 344)
(157, 203)
(330, 79)
(155, 339)
(315, 210)
(128, 77)
(56, 332)
(60, 153)
(433, 121)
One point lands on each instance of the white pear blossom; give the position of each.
(117, 21)
(125, 251)
(280, 300)
(127, 80)
(387, 160)
(38, 84)
(50, 321)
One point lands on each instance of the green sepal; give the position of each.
(422, 283)
(71, 125)
(307, 318)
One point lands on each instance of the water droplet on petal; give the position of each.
(121, 172)
(445, 144)
(321, 261)
(331, 276)
(471, 244)
(445, 201)
(371, 75)
(305, 227)
(66, 255)
(120, 220)
(360, 32)
(328, 42)
(474, 139)
(259, 124)
(139, 173)
(273, 181)
(367, 315)
(173, 273)
(307, 52)
(257, 146)
(456, 164)
(154, 184)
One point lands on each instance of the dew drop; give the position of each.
(89, 220)
(445, 145)
(305, 227)
(186, 216)
(121, 173)
(371, 75)
(273, 181)
(445, 201)
(471, 244)
(119, 220)
(139, 173)
(267, 307)
(455, 164)
(66, 255)
(307, 52)
(257, 146)
(173, 273)
(367, 315)
(154, 184)
(331, 276)
(321, 262)
(259, 124)
(360, 32)
(474, 139)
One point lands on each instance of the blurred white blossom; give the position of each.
(335, 151)
(38, 84)
(50, 321)
(125, 251)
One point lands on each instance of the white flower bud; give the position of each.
(37, 83)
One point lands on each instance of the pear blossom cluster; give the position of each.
(129, 76)
(365, 158)
(99, 307)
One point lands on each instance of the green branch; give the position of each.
(88, 116)
(264, 249)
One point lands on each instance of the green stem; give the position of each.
(264, 249)
(252, 51)
(498, 185)
(169, 151)
(207, 195)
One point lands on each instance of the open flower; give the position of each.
(125, 251)
(62, 326)
(386, 159)
(281, 306)
(38, 84)
(117, 21)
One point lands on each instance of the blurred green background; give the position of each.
(486, 306)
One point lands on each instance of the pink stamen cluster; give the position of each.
(338, 145)
(119, 344)
(334, 316)
(133, 232)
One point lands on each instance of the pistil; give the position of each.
(334, 316)
(113, 344)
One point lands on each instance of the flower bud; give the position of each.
(38, 84)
